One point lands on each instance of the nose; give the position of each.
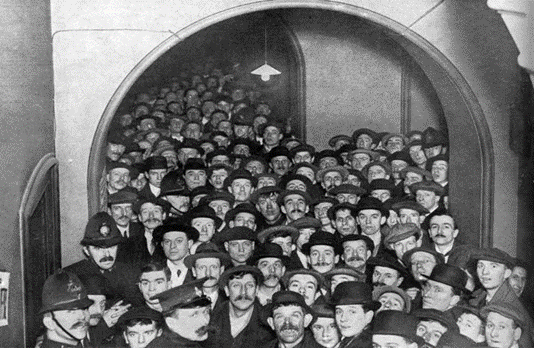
(204, 228)
(302, 291)
(427, 337)
(142, 338)
(151, 286)
(219, 210)
(240, 248)
(269, 204)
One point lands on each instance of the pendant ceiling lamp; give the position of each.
(265, 71)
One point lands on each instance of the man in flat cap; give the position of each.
(140, 326)
(186, 313)
(209, 261)
(342, 274)
(271, 261)
(395, 329)
(331, 177)
(266, 201)
(338, 141)
(289, 316)
(402, 238)
(100, 245)
(355, 309)
(409, 211)
(433, 324)
(323, 326)
(413, 175)
(64, 310)
(238, 321)
(206, 222)
(307, 282)
(504, 325)
(359, 158)
(284, 236)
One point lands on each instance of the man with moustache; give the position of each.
(279, 159)
(64, 310)
(443, 232)
(271, 261)
(289, 316)
(238, 321)
(100, 245)
(187, 314)
(295, 204)
(323, 251)
(117, 177)
(357, 249)
(386, 270)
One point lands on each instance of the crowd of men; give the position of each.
(222, 229)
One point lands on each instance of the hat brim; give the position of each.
(103, 243)
(373, 305)
(77, 304)
(189, 261)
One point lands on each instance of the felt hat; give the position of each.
(207, 250)
(427, 186)
(318, 276)
(283, 229)
(204, 211)
(159, 232)
(269, 250)
(396, 323)
(349, 293)
(323, 238)
(374, 136)
(102, 231)
(332, 142)
(246, 207)
(406, 258)
(354, 237)
(266, 190)
(141, 312)
(450, 275)
(254, 271)
(188, 295)
(347, 188)
(236, 233)
(379, 291)
(342, 206)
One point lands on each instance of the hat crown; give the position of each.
(101, 228)
(352, 292)
(450, 275)
(390, 322)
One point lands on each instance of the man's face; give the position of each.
(122, 213)
(103, 257)
(266, 181)
(351, 319)
(272, 136)
(323, 258)
(286, 243)
(441, 230)
(118, 178)
(294, 207)
(155, 176)
(395, 144)
(192, 131)
(193, 322)
(370, 221)
(355, 253)
(422, 264)
(307, 172)
(255, 167)
(500, 332)
(75, 322)
(331, 180)
(410, 179)
(409, 215)
(381, 195)
(338, 279)
(440, 171)
(325, 332)
(306, 285)
(268, 206)
(205, 227)
(241, 131)
(492, 274)
(345, 223)
(221, 208)
(140, 335)
(427, 199)
(383, 276)
(433, 151)
(347, 198)
(241, 149)
(304, 236)
(176, 245)
(397, 166)
(147, 124)
(302, 156)
(226, 127)
(471, 326)
(431, 331)
(172, 158)
(280, 165)
(207, 147)
(180, 203)
(151, 216)
(208, 267)
(96, 309)
(273, 269)
(391, 301)
(376, 172)
(240, 250)
(176, 124)
(359, 160)
(289, 323)
(241, 189)
(320, 212)
(244, 219)
(186, 153)
(296, 185)
(327, 162)
(404, 245)
(195, 178)
(220, 159)
(518, 280)
(217, 178)
(364, 141)
(115, 151)
(438, 296)
(242, 292)
(417, 154)
(152, 283)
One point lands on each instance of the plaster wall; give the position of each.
(96, 44)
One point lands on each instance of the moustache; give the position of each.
(107, 258)
(272, 276)
(354, 258)
(244, 297)
(297, 210)
(440, 235)
(322, 264)
(79, 325)
(288, 326)
(152, 220)
(378, 284)
(201, 331)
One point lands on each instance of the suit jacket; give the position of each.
(146, 193)
(121, 279)
(294, 262)
(136, 231)
(254, 334)
(169, 339)
(363, 340)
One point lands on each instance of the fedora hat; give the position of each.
(450, 275)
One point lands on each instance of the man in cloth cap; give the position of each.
(64, 310)
(266, 202)
(504, 325)
(433, 324)
(140, 326)
(186, 313)
(100, 245)
(307, 282)
(238, 321)
(117, 177)
(289, 316)
(323, 327)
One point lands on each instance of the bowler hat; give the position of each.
(431, 161)
(425, 174)
(64, 290)
(277, 152)
(175, 226)
(332, 142)
(236, 233)
(266, 190)
(101, 230)
(347, 188)
(188, 295)
(204, 211)
(302, 148)
(340, 169)
(381, 184)
(246, 207)
(388, 136)
(384, 165)
(386, 260)
(284, 180)
(240, 174)
(444, 318)
(354, 293)
(254, 271)
(207, 250)
(427, 186)
(217, 196)
(450, 275)
(381, 290)
(323, 238)
(194, 164)
(173, 184)
(327, 153)
(114, 165)
(400, 156)
(189, 143)
(373, 155)
(371, 203)
(264, 235)
(374, 136)
(396, 323)
(297, 166)
(122, 197)
(354, 237)
(269, 250)
(155, 162)
(323, 310)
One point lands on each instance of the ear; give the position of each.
(164, 215)
(253, 245)
(369, 253)
(307, 209)
(190, 243)
(308, 259)
(368, 316)
(454, 301)
(257, 207)
(252, 190)
(419, 242)
(107, 177)
(230, 189)
(270, 321)
(231, 223)
(455, 233)
(226, 246)
(336, 259)
(283, 208)
(421, 219)
(221, 270)
(86, 251)
(307, 319)
(125, 337)
(517, 333)
(160, 331)
(382, 220)
(226, 291)
(194, 272)
(48, 322)
(146, 175)
(399, 281)
(507, 273)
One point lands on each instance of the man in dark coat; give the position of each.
(238, 322)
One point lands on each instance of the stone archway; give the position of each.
(472, 166)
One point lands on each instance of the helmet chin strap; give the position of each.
(62, 328)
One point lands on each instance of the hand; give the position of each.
(112, 315)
